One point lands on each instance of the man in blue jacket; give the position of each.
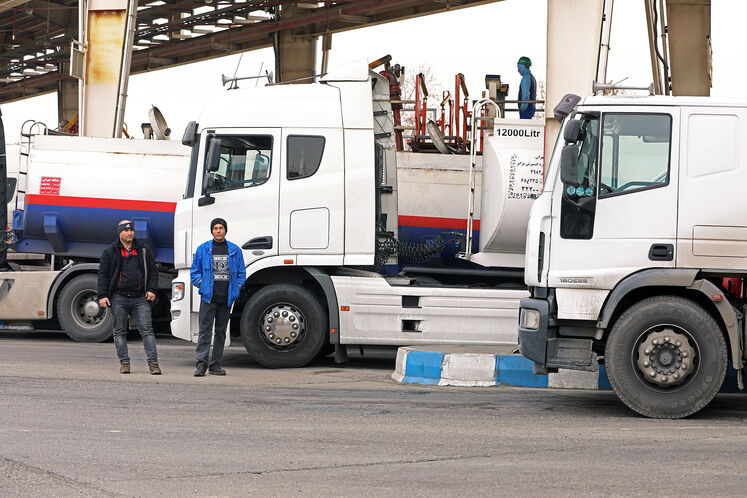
(527, 88)
(218, 271)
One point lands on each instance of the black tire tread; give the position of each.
(313, 311)
(684, 310)
(67, 323)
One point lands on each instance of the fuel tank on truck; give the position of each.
(78, 188)
(434, 196)
(512, 177)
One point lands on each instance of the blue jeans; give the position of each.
(122, 307)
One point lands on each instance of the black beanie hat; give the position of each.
(217, 221)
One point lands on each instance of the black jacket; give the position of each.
(110, 262)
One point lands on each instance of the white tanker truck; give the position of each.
(348, 223)
(345, 246)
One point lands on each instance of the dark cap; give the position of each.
(218, 221)
(127, 225)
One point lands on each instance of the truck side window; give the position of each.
(244, 162)
(635, 153)
(193, 161)
(304, 155)
(11, 189)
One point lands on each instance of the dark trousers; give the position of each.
(139, 308)
(212, 313)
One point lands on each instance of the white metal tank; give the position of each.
(78, 188)
(512, 177)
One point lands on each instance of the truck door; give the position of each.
(243, 191)
(619, 213)
(312, 196)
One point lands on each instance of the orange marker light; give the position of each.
(716, 298)
(332, 331)
(344, 308)
(288, 261)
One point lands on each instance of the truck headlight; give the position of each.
(529, 319)
(177, 291)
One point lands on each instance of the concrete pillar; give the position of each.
(689, 23)
(573, 48)
(295, 51)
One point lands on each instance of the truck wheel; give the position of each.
(79, 313)
(666, 357)
(283, 326)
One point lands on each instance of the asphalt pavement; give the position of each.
(71, 425)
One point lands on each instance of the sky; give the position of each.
(475, 41)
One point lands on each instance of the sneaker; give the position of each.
(200, 370)
(124, 368)
(215, 369)
(154, 368)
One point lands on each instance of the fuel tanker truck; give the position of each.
(67, 196)
(346, 242)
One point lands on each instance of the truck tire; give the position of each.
(71, 311)
(283, 326)
(666, 357)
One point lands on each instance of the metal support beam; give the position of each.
(67, 95)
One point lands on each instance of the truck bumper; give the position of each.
(533, 339)
(540, 342)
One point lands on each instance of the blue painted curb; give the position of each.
(469, 369)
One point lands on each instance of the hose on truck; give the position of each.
(413, 252)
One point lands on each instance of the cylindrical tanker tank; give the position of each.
(512, 177)
(433, 197)
(78, 189)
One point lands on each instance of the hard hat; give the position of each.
(526, 61)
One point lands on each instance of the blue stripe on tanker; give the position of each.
(87, 231)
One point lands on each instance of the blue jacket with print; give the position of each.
(202, 271)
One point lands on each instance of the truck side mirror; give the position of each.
(208, 182)
(569, 165)
(190, 134)
(572, 131)
(212, 161)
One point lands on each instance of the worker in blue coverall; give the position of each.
(527, 88)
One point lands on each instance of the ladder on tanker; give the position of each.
(29, 129)
(477, 115)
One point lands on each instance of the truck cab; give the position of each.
(635, 250)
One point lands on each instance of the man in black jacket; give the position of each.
(127, 281)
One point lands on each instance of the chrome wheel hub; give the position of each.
(283, 325)
(86, 310)
(665, 358)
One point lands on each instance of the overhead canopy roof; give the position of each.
(35, 35)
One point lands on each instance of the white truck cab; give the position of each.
(637, 249)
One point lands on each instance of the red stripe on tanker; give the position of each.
(93, 202)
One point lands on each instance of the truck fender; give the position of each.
(656, 277)
(731, 319)
(683, 278)
(63, 277)
(325, 282)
